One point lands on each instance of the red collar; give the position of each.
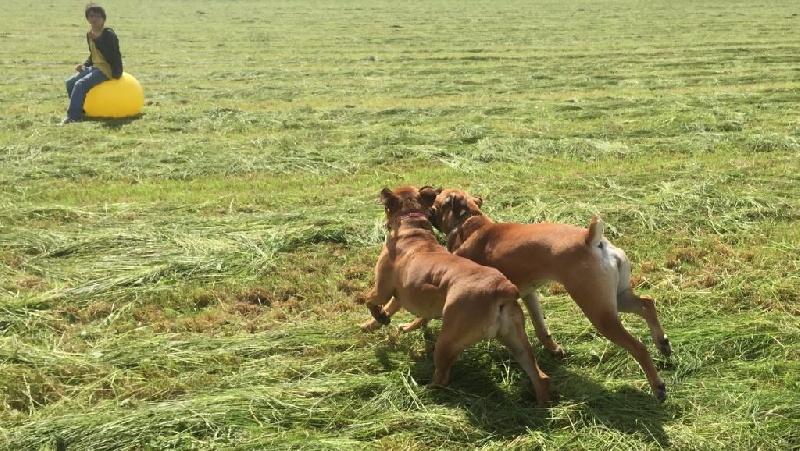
(410, 215)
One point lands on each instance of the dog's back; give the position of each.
(530, 254)
(429, 276)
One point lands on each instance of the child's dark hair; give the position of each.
(94, 8)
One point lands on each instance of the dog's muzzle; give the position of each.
(432, 218)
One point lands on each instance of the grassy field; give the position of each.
(187, 279)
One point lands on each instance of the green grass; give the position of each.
(187, 279)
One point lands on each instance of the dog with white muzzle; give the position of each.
(595, 273)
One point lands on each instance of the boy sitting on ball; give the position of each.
(104, 62)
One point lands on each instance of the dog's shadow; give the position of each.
(627, 410)
(512, 410)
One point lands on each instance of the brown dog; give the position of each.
(594, 272)
(474, 302)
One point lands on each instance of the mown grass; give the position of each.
(187, 279)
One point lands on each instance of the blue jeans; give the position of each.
(77, 87)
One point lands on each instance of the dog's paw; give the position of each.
(379, 315)
(665, 347)
(370, 326)
(383, 318)
(661, 392)
(414, 325)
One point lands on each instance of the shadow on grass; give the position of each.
(627, 409)
(512, 411)
(115, 123)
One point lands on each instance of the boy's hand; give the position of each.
(79, 68)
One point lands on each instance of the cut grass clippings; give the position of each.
(190, 278)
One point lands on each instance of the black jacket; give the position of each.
(108, 45)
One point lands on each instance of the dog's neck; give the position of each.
(400, 219)
(413, 230)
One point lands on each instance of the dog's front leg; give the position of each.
(382, 305)
(531, 301)
(414, 325)
(383, 315)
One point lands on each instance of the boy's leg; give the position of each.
(73, 79)
(81, 87)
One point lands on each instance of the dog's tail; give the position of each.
(595, 232)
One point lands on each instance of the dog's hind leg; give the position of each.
(461, 327)
(644, 306)
(531, 301)
(448, 347)
(608, 323)
(512, 334)
(629, 302)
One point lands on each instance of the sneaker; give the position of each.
(67, 120)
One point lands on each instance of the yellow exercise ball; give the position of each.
(121, 97)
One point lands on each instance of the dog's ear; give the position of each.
(388, 199)
(436, 190)
(428, 195)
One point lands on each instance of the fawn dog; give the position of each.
(595, 273)
(474, 302)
